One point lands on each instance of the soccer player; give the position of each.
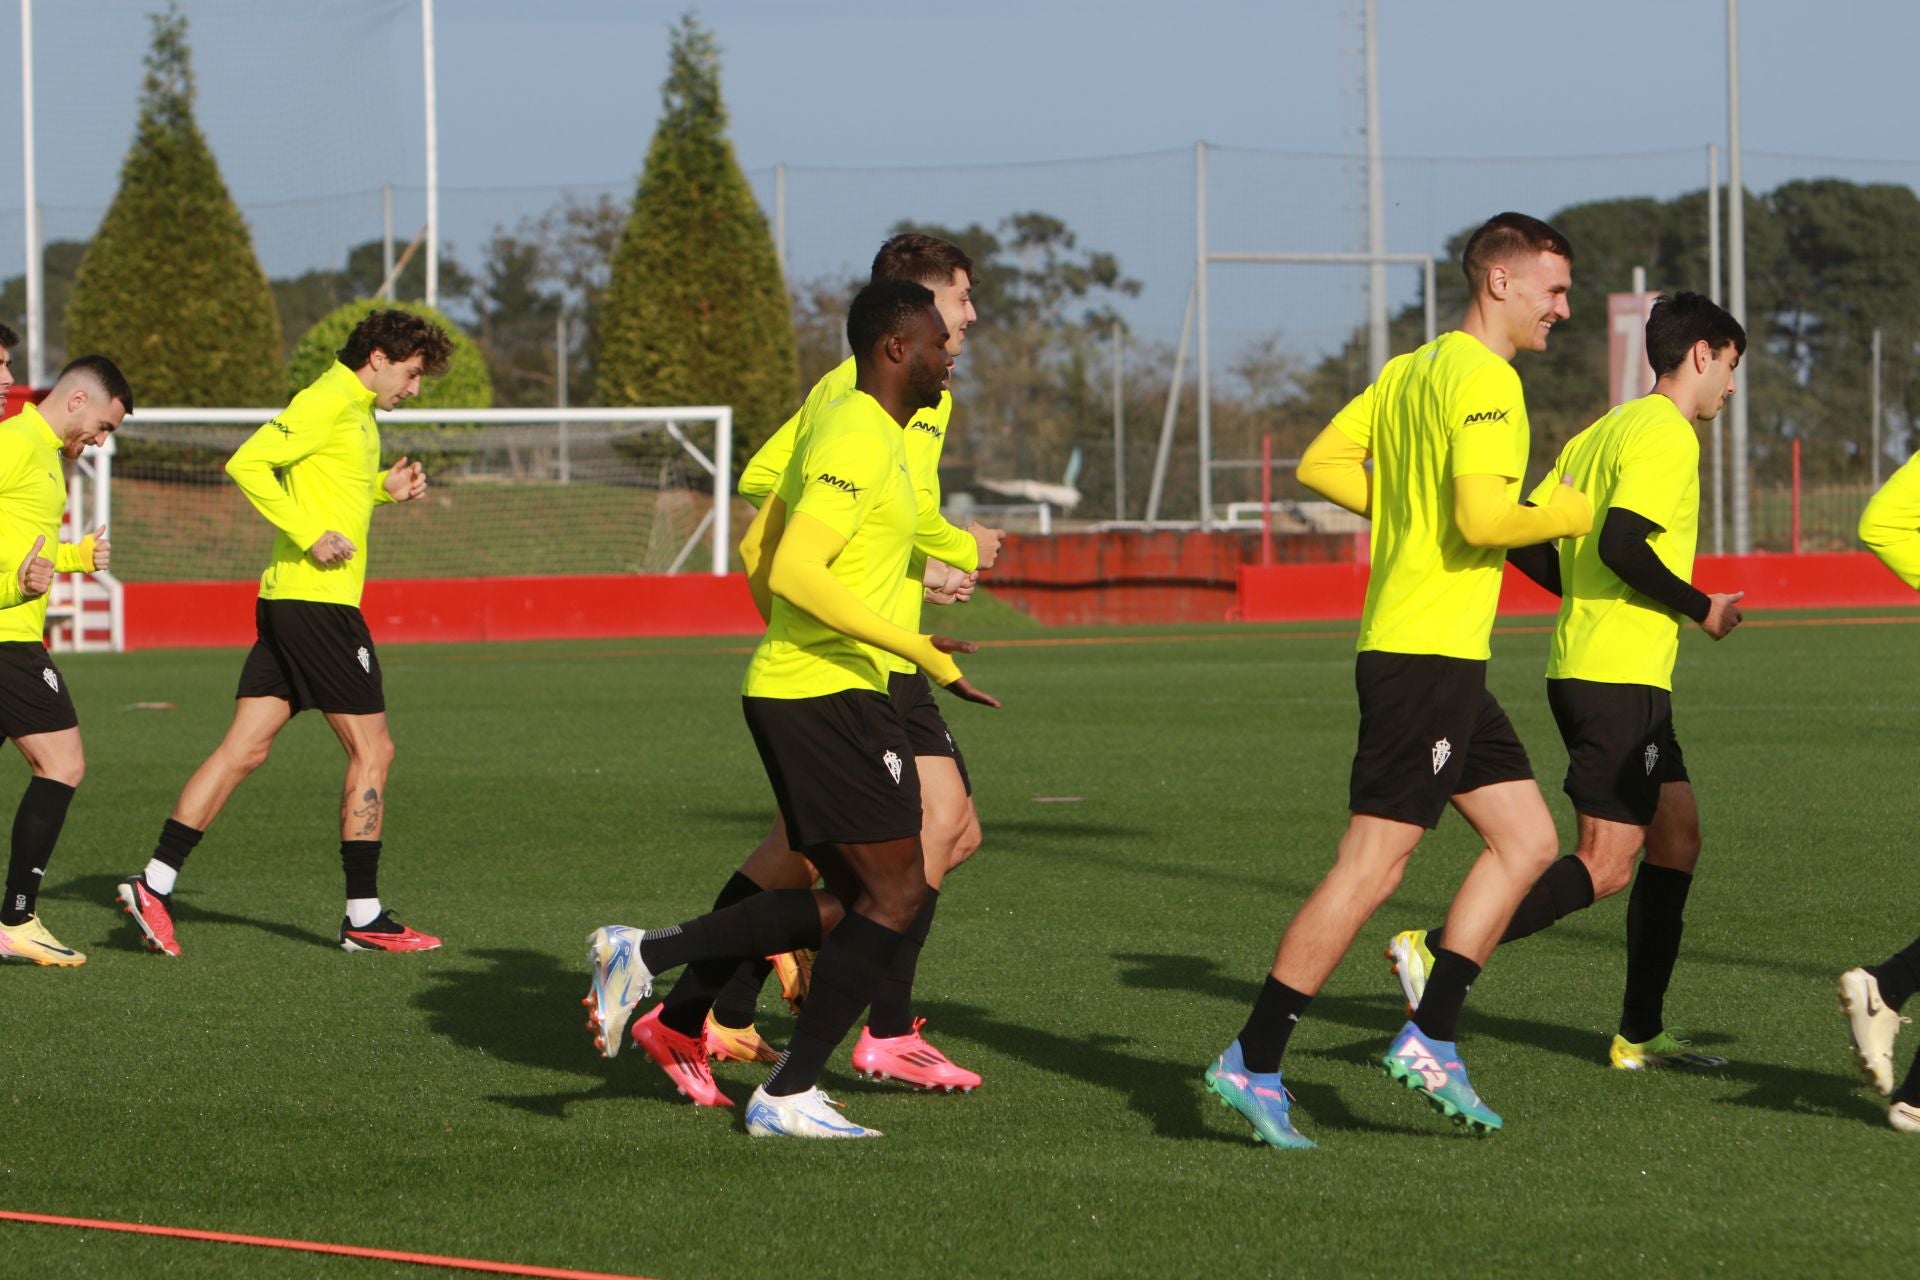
(1625, 592)
(1873, 995)
(835, 748)
(1446, 427)
(944, 557)
(314, 473)
(87, 402)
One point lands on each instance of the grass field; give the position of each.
(1090, 962)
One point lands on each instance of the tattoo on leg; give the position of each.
(369, 811)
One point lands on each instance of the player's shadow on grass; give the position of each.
(524, 1008)
(185, 910)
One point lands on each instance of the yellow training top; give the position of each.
(934, 537)
(315, 468)
(1642, 457)
(1890, 526)
(33, 498)
(1451, 408)
(849, 473)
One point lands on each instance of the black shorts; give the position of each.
(841, 767)
(927, 731)
(1429, 731)
(33, 693)
(1620, 747)
(315, 655)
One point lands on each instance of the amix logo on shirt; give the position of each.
(1488, 416)
(927, 427)
(847, 487)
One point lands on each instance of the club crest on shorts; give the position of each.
(1652, 756)
(366, 660)
(53, 681)
(892, 762)
(1442, 752)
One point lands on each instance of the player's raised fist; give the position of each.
(36, 571)
(988, 540)
(1723, 614)
(406, 481)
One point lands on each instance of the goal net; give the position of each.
(510, 492)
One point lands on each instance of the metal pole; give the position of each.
(1876, 407)
(723, 493)
(386, 239)
(780, 214)
(1266, 496)
(1737, 281)
(1200, 354)
(1713, 222)
(1376, 212)
(36, 263)
(1433, 300)
(560, 391)
(1119, 426)
(433, 157)
(1713, 292)
(1165, 450)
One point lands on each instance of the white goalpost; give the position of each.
(512, 492)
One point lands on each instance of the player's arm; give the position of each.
(1335, 464)
(1487, 517)
(1335, 467)
(297, 433)
(1540, 561)
(756, 551)
(89, 555)
(1890, 526)
(1624, 550)
(769, 462)
(801, 575)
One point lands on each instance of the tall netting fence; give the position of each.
(503, 499)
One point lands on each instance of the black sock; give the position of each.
(1898, 975)
(1562, 889)
(36, 828)
(685, 1007)
(892, 1012)
(361, 861)
(177, 840)
(1447, 985)
(765, 924)
(739, 1000)
(1909, 1090)
(1276, 1012)
(1654, 911)
(853, 960)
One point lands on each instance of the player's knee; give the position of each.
(69, 771)
(897, 902)
(247, 756)
(967, 845)
(1609, 875)
(374, 755)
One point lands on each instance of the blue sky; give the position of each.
(960, 112)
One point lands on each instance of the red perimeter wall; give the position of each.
(164, 615)
(1843, 579)
(1071, 579)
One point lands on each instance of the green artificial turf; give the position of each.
(1090, 962)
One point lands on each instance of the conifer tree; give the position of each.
(170, 288)
(696, 310)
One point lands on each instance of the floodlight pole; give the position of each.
(36, 265)
(1713, 292)
(1737, 282)
(1200, 352)
(1376, 212)
(386, 240)
(433, 156)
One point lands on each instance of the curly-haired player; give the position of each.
(314, 473)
